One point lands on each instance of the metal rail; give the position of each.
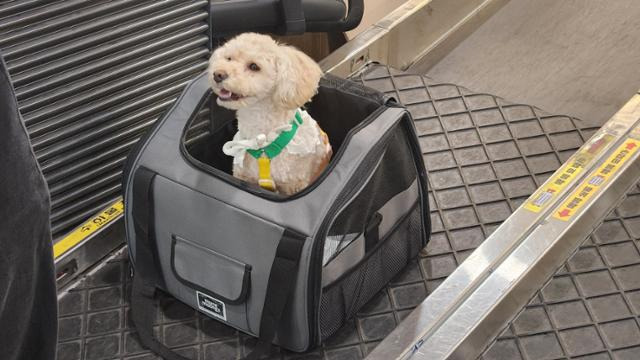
(424, 30)
(489, 288)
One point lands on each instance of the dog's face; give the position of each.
(253, 68)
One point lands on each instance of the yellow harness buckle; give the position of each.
(264, 174)
(265, 154)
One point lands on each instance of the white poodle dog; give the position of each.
(278, 145)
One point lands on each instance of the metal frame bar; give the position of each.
(434, 26)
(459, 319)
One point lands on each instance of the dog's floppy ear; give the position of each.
(297, 79)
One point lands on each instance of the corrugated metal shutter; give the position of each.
(90, 77)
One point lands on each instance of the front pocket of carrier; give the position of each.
(211, 273)
(214, 255)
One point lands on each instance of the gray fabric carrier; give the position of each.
(288, 270)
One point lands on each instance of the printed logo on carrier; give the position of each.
(211, 306)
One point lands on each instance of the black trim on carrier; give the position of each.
(409, 126)
(146, 255)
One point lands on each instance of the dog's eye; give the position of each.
(228, 58)
(254, 67)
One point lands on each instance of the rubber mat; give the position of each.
(484, 157)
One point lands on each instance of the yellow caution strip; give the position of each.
(591, 185)
(91, 226)
(576, 164)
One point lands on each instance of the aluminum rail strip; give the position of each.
(459, 319)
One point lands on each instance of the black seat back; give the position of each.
(284, 16)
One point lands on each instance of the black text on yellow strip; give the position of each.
(89, 227)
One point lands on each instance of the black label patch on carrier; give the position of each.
(211, 306)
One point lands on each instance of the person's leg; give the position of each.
(28, 300)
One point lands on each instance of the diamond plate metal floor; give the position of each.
(484, 156)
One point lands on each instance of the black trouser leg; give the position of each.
(28, 300)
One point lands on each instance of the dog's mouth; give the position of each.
(226, 95)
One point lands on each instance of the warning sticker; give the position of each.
(576, 164)
(592, 184)
(92, 225)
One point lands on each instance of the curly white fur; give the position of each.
(266, 82)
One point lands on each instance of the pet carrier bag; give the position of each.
(288, 270)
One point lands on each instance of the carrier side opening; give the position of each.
(339, 113)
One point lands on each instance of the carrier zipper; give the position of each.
(358, 179)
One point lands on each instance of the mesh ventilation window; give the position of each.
(379, 190)
(342, 299)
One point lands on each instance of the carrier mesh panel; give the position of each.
(395, 173)
(345, 297)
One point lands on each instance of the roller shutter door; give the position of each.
(90, 77)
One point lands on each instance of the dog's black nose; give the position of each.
(219, 76)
